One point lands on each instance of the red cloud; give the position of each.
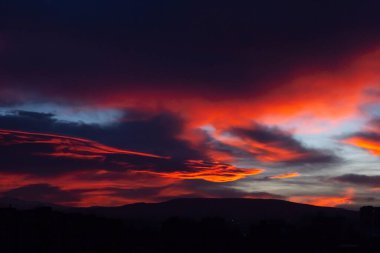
(314, 92)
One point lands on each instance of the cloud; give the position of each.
(367, 139)
(220, 172)
(96, 187)
(359, 179)
(286, 175)
(154, 133)
(332, 201)
(51, 149)
(44, 193)
(188, 54)
(49, 154)
(273, 145)
(180, 66)
(117, 188)
(47, 146)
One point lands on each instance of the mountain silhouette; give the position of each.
(227, 208)
(238, 209)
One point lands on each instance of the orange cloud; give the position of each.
(330, 201)
(213, 172)
(286, 175)
(371, 145)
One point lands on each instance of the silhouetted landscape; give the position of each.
(188, 225)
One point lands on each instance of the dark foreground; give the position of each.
(69, 231)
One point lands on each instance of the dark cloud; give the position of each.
(375, 123)
(44, 193)
(365, 180)
(365, 200)
(369, 135)
(138, 193)
(214, 48)
(27, 154)
(46, 147)
(48, 154)
(279, 146)
(39, 144)
(155, 133)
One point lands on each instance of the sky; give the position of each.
(115, 102)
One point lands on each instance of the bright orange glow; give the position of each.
(307, 93)
(213, 172)
(286, 175)
(330, 201)
(372, 146)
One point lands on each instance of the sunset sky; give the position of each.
(114, 102)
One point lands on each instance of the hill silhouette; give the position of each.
(227, 208)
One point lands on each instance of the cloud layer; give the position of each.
(207, 95)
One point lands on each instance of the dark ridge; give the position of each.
(240, 209)
(228, 208)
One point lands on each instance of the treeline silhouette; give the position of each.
(46, 230)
